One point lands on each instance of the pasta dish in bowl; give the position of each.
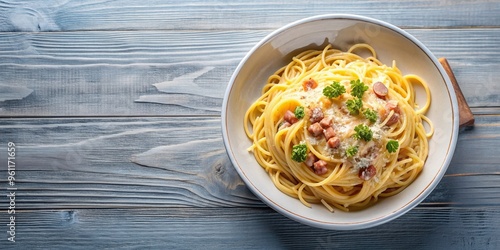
(336, 128)
(340, 121)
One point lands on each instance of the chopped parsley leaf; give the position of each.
(370, 114)
(299, 152)
(358, 88)
(363, 132)
(392, 146)
(334, 90)
(351, 151)
(299, 112)
(354, 105)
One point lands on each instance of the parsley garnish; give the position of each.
(392, 146)
(334, 90)
(351, 151)
(299, 112)
(299, 152)
(363, 132)
(354, 105)
(370, 114)
(358, 88)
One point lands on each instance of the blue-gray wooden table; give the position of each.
(113, 110)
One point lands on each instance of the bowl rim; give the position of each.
(399, 211)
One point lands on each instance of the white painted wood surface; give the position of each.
(115, 110)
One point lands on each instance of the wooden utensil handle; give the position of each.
(466, 116)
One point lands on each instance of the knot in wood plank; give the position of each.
(69, 217)
(29, 19)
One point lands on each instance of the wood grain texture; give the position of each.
(181, 162)
(115, 110)
(253, 228)
(71, 15)
(146, 73)
(8, 93)
(124, 162)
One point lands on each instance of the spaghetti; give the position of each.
(338, 129)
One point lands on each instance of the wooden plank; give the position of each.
(66, 15)
(230, 228)
(148, 73)
(181, 162)
(120, 73)
(121, 162)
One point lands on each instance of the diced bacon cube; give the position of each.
(315, 129)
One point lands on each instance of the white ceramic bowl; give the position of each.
(391, 43)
